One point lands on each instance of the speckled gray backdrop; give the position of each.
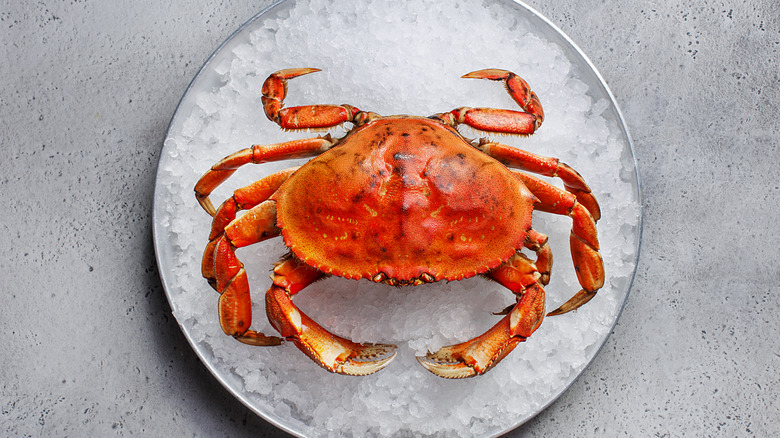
(89, 347)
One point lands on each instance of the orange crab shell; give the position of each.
(407, 199)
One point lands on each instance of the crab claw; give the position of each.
(468, 359)
(366, 359)
(477, 356)
(332, 352)
(340, 355)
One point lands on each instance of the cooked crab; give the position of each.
(400, 200)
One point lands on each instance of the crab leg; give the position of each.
(224, 272)
(522, 123)
(478, 355)
(519, 272)
(242, 199)
(520, 159)
(256, 154)
(505, 121)
(227, 275)
(334, 353)
(526, 279)
(300, 117)
(537, 242)
(583, 239)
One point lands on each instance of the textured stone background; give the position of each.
(89, 347)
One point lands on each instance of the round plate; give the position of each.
(394, 60)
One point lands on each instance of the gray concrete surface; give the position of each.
(89, 347)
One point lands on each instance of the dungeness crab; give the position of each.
(400, 200)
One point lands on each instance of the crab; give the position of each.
(400, 200)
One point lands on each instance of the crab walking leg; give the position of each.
(522, 123)
(255, 155)
(300, 117)
(520, 159)
(537, 242)
(583, 239)
(514, 277)
(478, 355)
(242, 199)
(505, 121)
(334, 353)
(229, 276)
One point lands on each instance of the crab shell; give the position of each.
(406, 199)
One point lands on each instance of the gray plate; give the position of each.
(169, 244)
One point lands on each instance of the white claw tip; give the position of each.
(370, 360)
(454, 370)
